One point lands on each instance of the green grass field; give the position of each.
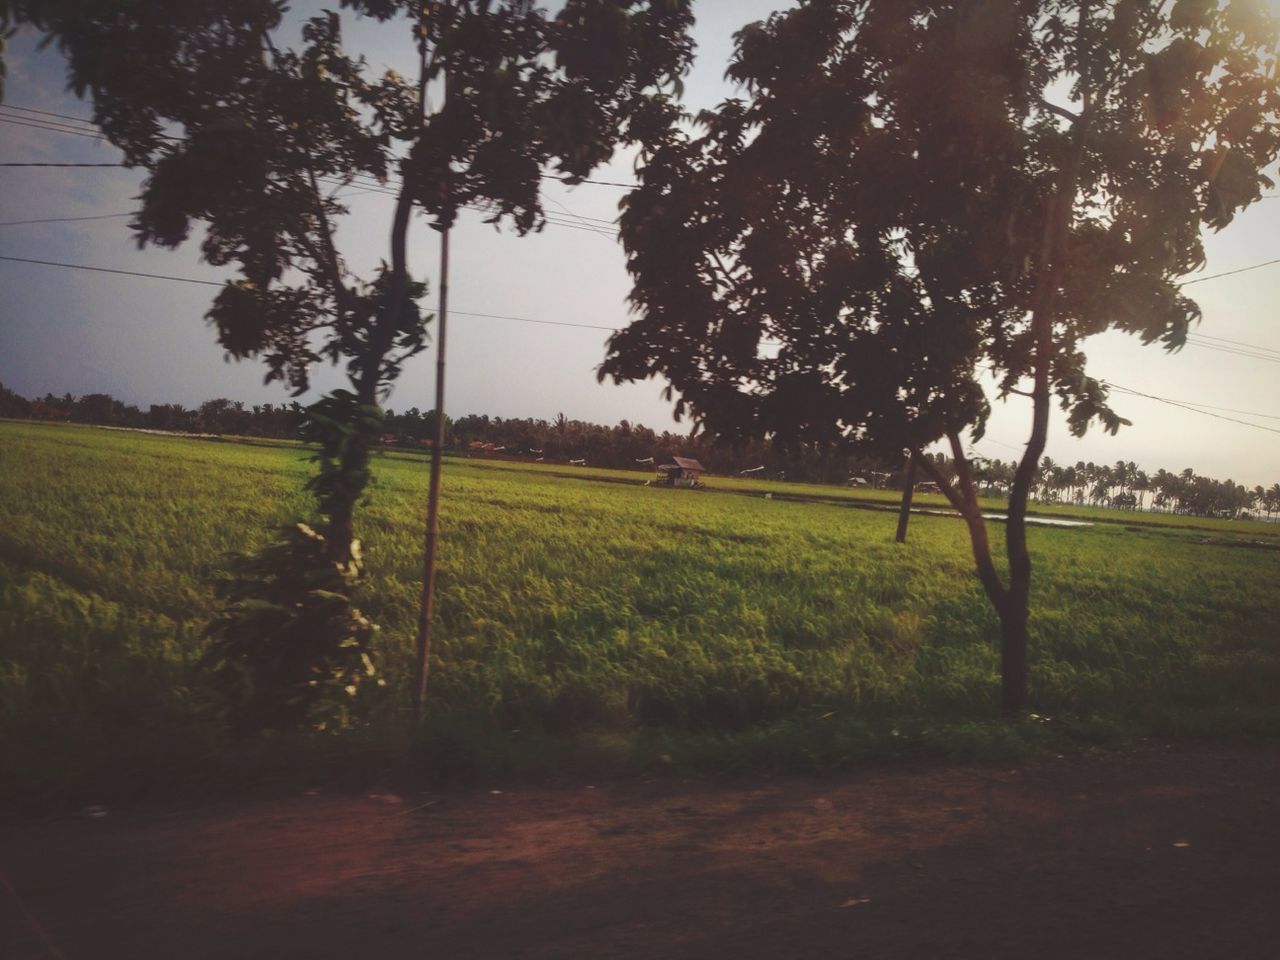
(583, 621)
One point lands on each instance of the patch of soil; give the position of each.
(1159, 853)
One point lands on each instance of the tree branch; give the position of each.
(724, 272)
(963, 474)
(1153, 20)
(333, 268)
(978, 539)
(1060, 111)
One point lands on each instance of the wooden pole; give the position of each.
(908, 486)
(427, 608)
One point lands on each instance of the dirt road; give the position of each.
(1159, 853)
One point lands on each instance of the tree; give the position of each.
(911, 195)
(253, 135)
(12, 405)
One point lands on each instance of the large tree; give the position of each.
(252, 131)
(912, 195)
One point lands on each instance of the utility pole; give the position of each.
(426, 609)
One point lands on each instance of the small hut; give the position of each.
(684, 472)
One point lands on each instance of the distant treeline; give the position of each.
(1120, 486)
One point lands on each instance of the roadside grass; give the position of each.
(589, 628)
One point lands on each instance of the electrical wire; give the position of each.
(1231, 351)
(1184, 406)
(104, 216)
(49, 113)
(48, 129)
(219, 283)
(551, 323)
(61, 164)
(127, 273)
(1229, 273)
(1237, 343)
(598, 183)
(59, 125)
(1247, 413)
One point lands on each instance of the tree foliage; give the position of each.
(252, 135)
(289, 648)
(849, 249)
(915, 194)
(253, 138)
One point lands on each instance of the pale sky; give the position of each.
(145, 340)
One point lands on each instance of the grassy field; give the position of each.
(589, 622)
(1263, 530)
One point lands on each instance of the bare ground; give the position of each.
(1155, 853)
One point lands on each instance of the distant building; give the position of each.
(684, 472)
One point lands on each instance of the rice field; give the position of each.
(576, 609)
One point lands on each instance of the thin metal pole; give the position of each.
(427, 607)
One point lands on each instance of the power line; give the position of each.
(579, 226)
(545, 176)
(580, 216)
(60, 125)
(219, 283)
(127, 273)
(49, 113)
(381, 188)
(1237, 343)
(1232, 352)
(104, 216)
(39, 125)
(64, 116)
(1247, 413)
(552, 323)
(61, 164)
(1228, 273)
(999, 443)
(367, 185)
(1184, 406)
(598, 183)
(156, 276)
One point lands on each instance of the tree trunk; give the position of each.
(340, 530)
(1013, 655)
(1010, 603)
(1014, 611)
(908, 487)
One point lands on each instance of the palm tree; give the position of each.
(1141, 483)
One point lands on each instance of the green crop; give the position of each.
(573, 607)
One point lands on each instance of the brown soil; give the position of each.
(1160, 853)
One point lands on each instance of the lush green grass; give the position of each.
(609, 624)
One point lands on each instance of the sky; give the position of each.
(145, 341)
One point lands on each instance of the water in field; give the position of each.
(1041, 521)
(1031, 521)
